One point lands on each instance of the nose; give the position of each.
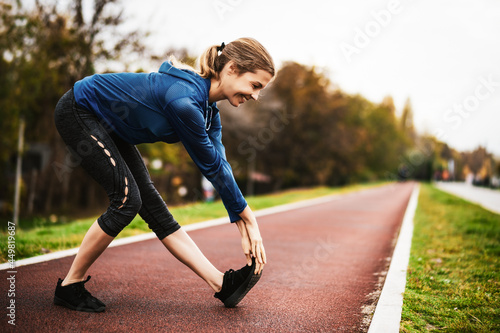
(255, 96)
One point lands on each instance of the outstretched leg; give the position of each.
(230, 287)
(186, 251)
(155, 212)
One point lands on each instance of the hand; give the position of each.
(251, 240)
(256, 246)
(246, 244)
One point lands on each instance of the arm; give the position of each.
(215, 135)
(208, 153)
(251, 240)
(186, 117)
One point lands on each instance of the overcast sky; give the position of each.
(443, 55)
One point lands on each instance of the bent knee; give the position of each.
(132, 204)
(114, 220)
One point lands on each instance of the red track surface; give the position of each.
(324, 262)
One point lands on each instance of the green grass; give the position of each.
(44, 237)
(453, 281)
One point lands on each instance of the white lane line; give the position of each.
(387, 316)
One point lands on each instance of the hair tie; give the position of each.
(220, 48)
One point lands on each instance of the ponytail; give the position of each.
(208, 63)
(247, 54)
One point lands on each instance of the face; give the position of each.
(238, 89)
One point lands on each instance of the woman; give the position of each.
(102, 119)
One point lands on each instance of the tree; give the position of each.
(385, 140)
(302, 132)
(480, 163)
(44, 50)
(407, 125)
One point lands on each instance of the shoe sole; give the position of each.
(61, 302)
(241, 292)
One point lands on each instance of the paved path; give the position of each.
(488, 198)
(325, 267)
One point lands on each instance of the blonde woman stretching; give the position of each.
(104, 116)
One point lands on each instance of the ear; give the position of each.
(232, 69)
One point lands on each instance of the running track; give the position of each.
(326, 263)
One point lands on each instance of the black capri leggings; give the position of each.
(117, 166)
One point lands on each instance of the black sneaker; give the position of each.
(75, 297)
(236, 284)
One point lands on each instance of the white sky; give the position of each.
(437, 53)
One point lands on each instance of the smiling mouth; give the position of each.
(243, 99)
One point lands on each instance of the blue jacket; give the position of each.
(170, 105)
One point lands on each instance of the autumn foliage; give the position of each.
(303, 131)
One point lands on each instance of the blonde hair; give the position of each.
(247, 54)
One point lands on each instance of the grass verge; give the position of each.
(453, 279)
(51, 238)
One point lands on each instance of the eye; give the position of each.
(256, 85)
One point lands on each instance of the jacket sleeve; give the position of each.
(206, 150)
(215, 135)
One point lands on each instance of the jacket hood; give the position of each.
(202, 84)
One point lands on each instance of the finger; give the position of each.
(258, 262)
(263, 254)
(258, 268)
(256, 253)
(249, 259)
(259, 255)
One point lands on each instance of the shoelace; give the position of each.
(80, 288)
(232, 275)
